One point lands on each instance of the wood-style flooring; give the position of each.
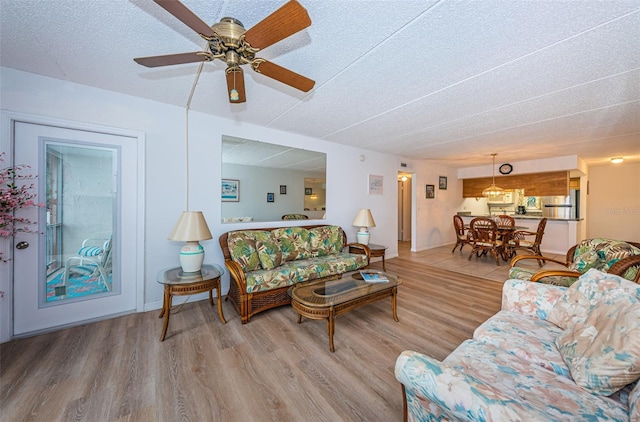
(271, 369)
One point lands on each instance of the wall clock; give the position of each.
(506, 168)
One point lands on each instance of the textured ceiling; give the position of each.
(440, 80)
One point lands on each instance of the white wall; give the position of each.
(163, 125)
(433, 225)
(613, 201)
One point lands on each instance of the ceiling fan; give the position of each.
(230, 42)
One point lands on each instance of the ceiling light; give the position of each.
(493, 190)
(617, 160)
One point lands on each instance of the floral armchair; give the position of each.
(612, 256)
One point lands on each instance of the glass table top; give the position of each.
(177, 276)
(335, 292)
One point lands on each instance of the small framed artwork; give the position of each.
(431, 191)
(283, 189)
(375, 184)
(308, 191)
(442, 182)
(270, 197)
(230, 190)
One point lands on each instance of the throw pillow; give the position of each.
(592, 288)
(603, 351)
(269, 253)
(242, 248)
(294, 242)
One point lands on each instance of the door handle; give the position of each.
(22, 245)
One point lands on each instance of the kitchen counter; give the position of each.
(525, 217)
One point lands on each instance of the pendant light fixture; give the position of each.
(493, 190)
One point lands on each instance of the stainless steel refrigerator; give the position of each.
(562, 207)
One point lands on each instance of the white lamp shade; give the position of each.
(364, 219)
(191, 226)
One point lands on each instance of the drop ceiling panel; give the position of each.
(390, 75)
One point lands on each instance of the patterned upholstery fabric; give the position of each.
(294, 242)
(512, 368)
(295, 217)
(242, 246)
(326, 240)
(285, 256)
(598, 253)
(593, 288)
(603, 351)
(303, 270)
(269, 253)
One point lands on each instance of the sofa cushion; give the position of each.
(531, 339)
(592, 288)
(292, 272)
(559, 398)
(521, 273)
(603, 351)
(326, 240)
(294, 242)
(242, 247)
(269, 253)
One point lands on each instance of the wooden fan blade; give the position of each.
(283, 75)
(186, 16)
(235, 82)
(286, 21)
(170, 59)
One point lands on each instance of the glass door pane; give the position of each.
(80, 221)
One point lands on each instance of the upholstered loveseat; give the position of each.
(264, 263)
(551, 353)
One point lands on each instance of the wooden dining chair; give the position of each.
(528, 240)
(484, 232)
(463, 236)
(504, 221)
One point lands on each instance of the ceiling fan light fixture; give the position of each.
(493, 191)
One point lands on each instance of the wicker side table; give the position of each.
(178, 283)
(377, 251)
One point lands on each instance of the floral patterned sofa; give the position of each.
(551, 353)
(264, 263)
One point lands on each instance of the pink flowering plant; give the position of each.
(15, 194)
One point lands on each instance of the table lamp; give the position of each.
(363, 219)
(191, 228)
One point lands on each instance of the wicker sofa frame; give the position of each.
(250, 304)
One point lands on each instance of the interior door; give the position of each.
(71, 268)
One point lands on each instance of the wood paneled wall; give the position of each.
(535, 184)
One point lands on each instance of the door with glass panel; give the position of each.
(70, 267)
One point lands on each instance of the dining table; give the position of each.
(505, 232)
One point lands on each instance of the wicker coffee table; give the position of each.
(328, 299)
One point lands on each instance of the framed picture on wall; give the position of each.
(308, 191)
(431, 191)
(283, 189)
(442, 182)
(375, 184)
(270, 197)
(230, 190)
